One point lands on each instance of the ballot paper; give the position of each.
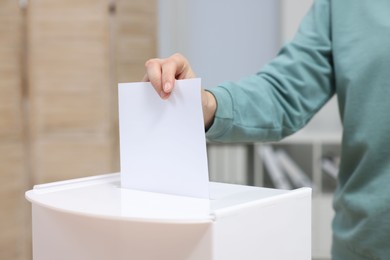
(162, 142)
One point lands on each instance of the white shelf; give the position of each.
(310, 137)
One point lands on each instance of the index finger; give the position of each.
(169, 71)
(153, 74)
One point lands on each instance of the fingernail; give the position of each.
(163, 95)
(167, 87)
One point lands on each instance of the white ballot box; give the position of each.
(94, 218)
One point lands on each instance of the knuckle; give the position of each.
(177, 55)
(151, 62)
(168, 62)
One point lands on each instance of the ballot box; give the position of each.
(94, 218)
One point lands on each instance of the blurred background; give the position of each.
(61, 61)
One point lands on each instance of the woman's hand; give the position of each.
(162, 74)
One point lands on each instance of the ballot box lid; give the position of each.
(102, 197)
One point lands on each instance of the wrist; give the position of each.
(209, 106)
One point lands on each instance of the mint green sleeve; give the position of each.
(286, 93)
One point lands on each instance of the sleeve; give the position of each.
(281, 98)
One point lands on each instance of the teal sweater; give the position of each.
(342, 47)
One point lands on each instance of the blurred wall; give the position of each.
(222, 39)
(60, 62)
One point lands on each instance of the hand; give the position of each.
(162, 73)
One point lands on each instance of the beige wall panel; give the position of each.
(136, 39)
(69, 80)
(69, 114)
(69, 47)
(68, 29)
(9, 42)
(62, 158)
(70, 92)
(68, 8)
(9, 8)
(137, 24)
(148, 7)
(13, 175)
(136, 49)
(129, 72)
(10, 117)
(10, 70)
(13, 213)
(12, 168)
(10, 99)
(74, 64)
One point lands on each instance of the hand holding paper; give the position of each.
(162, 142)
(162, 73)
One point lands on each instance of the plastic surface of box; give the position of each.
(93, 218)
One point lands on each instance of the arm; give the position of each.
(284, 96)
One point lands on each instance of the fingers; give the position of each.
(153, 74)
(145, 78)
(169, 69)
(183, 69)
(175, 67)
(162, 73)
